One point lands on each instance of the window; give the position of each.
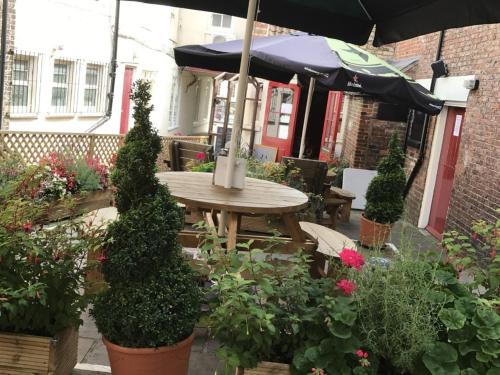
(93, 95)
(203, 96)
(25, 83)
(221, 20)
(280, 112)
(174, 100)
(63, 87)
(416, 123)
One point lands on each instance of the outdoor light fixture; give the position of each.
(439, 68)
(471, 84)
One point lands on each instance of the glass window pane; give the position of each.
(20, 70)
(60, 73)
(19, 95)
(90, 97)
(226, 21)
(59, 96)
(216, 20)
(91, 75)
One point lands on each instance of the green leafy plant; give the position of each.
(153, 298)
(384, 197)
(11, 167)
(267, 311)
(397, 315)
(42, 268)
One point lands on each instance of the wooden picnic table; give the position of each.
(196, 191)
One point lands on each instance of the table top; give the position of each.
(343, 193)
(258, 197)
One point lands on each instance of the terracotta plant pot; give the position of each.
(373, 234)
(166, 360)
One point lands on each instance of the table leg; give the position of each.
(222, 224)
(293, 227)
(232, 231)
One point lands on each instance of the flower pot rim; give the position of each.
(375, 222)
(140, 351)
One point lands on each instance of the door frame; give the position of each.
(124, 129)
(433, 167)
(335, 100)
(285, 146)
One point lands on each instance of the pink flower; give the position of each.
(200, 156)
(351, 258)
(28, 227)
(474, 236)
(360, 353)
(101, 258)
(347, 286)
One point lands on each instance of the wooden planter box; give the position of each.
(25, 354)
(85, 203)
(266, 368)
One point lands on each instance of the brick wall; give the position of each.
(467, 51)
(366, 138)
(11, 24)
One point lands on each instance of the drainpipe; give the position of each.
(5, 6)
(112, 74)
(423, 142)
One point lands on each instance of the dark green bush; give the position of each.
(153, 298)
(384, 198)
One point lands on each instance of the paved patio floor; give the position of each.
(92, 356)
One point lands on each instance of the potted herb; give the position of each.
(42, 273)
(275, 319)
(148, 313)
(384, 198)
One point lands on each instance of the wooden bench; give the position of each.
(182, 152)
(330, 244)
(333, 206)
(345, 210)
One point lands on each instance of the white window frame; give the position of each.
(220, 25)
(23, 82)
(68, 107)
(173, 110)
(98, 86)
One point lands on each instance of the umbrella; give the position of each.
(348, 20)
(354, 20)
(330, 63)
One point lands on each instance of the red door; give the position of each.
(281, 115)
(446, 171)
(331, 127)
(127, 85)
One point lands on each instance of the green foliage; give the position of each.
(153, 298)
(42, 269)
(11, 167)
(470, 340)
(384, 198)
(87, 178)
(397, 311)
(206, 167)
(279, 313)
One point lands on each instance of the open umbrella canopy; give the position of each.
(354, 20)
(334, 64)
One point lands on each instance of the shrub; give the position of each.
(42, 269)
(153, 298)
(397, 320)
(384, 198)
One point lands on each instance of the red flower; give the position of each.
(200, 156)
(474, 236)
(360, 353)
(351, 258)
(347, 286)
(101, 258)
(28, 227)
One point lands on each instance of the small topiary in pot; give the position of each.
(384, 198)
(153, 298)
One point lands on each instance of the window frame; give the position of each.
(220, 25)
(415, 133)
(68, 85)
(31, 83)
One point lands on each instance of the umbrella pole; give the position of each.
(312, 84)
(242, 93)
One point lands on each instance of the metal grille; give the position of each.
(95, 84)
(65, 77)
(25, 81)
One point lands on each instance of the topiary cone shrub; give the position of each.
(384, 198)
(153, 298)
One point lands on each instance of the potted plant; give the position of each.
(274, 318)
(42, 274)
(384, 198)
(147, 314)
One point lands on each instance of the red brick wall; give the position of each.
(366, 138)
(11, 26)
(467, 51)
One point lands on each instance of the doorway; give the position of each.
(281, 116)
(446, 171)
(125, 113)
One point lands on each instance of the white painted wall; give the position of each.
(84, 30)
